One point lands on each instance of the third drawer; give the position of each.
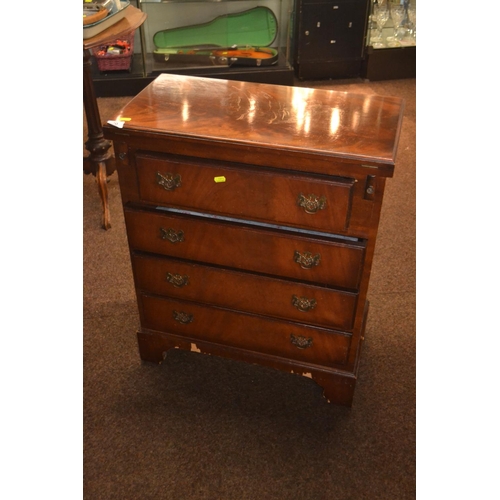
(245, 291)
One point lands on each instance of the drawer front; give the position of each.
(279, 338)
(245, 247)
(258, 194)
(245, 292)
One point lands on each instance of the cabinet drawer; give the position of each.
(257, 193)
(279, 338)
(240, 246)
(245, 291)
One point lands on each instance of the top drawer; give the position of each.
(322, 203)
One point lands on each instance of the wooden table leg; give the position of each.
(100, 162)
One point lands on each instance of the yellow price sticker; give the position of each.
(220, 179)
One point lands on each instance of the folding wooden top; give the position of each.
(342, 125)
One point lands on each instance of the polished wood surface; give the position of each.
(260, 333)
(280, 298)
(279, 196)
(256, 249)
(351, 126)
(252, 214)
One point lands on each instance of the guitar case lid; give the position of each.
(253, 27)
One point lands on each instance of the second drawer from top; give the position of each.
(328, 261)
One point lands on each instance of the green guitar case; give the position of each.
(242, 38)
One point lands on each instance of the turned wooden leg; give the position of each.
(102, 180)
(100, 162)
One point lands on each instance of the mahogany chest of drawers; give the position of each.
(252, 213)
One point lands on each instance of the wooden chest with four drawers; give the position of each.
(252, 213)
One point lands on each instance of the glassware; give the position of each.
(381, 15)
(412, 15)
(397, 15)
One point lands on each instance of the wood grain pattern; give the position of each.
(258, 334)
(355, 126)
(220, 188)
(263, 295)
(266, 251)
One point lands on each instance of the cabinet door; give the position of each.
(331, 31)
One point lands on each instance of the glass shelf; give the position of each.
(391, 53)
(392, 24)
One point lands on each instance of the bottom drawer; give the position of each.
(245, 331)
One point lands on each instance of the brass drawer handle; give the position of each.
(303, 304)
(300, 341)
(171, 235)
(183, 318)
(169, 182)
(312, 203)
(177, 280)
(306, 260)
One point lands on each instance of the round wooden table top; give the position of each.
(132, 20)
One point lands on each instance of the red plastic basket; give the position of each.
(114, 62)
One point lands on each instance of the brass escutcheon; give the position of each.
(300, 341)
(171, 235)
(177, 280)
(306, 260)
(312, 203)
(183, 318)
(169, 182)
(303, 304)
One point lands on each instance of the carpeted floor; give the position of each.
(203, 428)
